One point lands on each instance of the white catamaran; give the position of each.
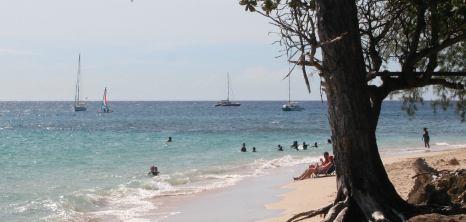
(78, 104)
(227, 102)
(104, 107)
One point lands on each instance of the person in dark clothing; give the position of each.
(153, 171)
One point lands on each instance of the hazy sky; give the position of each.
(141, 50)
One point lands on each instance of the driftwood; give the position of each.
(420, 166)
(439, 191)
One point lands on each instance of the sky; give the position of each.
(145, 50)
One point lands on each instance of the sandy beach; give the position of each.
(276, 197)
(314, 193)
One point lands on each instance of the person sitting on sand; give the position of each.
(315, 169)
(153, 171)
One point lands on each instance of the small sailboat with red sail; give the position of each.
(104, 106)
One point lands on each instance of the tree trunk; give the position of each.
(364, 191)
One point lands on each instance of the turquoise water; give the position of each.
(60, 165)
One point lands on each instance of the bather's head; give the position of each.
(326, 156)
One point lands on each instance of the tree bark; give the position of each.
(364, 191)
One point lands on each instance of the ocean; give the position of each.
(61, 165)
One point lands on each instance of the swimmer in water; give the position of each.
(153, 171)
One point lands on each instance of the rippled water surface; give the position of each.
(60, 165)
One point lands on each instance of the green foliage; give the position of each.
(452, 60)
(411, 98)
(408, 32)
(250, 5)
(296, 3)
(442, 20)
(269, 6)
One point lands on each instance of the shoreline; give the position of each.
(243, 201)
(276, 196)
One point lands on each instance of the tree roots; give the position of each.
(309, 214)
(331, 212)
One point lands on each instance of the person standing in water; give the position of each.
(169, 139)
(426, 138)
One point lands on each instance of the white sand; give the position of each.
(314, 193)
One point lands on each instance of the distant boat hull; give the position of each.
(227, 103)
(80, 108)
(292, 107)
(236, 104)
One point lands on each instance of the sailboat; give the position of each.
(227, 102)
(291, 106)
(104, 106)
(78, 104)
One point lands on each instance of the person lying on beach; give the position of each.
(153, 171)
(315, 169)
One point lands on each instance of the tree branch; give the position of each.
(443, 82)
(433, 50)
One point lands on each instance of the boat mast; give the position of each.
(228, 76)
(76, 98)
(289, 88)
